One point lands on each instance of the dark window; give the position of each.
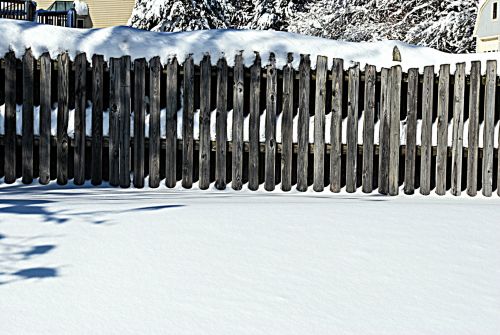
(79, 23)
(495, 10)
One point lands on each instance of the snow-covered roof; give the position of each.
(81, 8)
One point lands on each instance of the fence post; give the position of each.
(426, 145)
(271, 95)
(27, 129)
(139, 120)
(395, 110)
(303, 126)
(473, 139)
(319, 124)
(336, 125)
(80, 124)
(10, 118)
(97, 118)
(287, 126)
(254, 127)
(489, 126)
(171, 119)
(154, 122)
(205, 145)
(368, 128)
(442, 128)
(221, 125)
(458, 130)
(187, 124)
(45, 117)
(238, 104)
(62, 119)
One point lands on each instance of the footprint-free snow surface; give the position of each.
(110, 261)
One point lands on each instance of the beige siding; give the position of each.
(104, 13)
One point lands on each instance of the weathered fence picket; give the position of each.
(394, 137)
(319, 124)
(97, 118)
(27, 129)
(45, 118)
(336, 126)
(426, 132)
(10, 118)
(473, 135)
(384, 132)
(80, 126)
(411, 131)
(139, 120)
(352, 129)
(458, 130)
(63, 118)
(368, 128)
(154, 121)
(114, 119)
(287, 126)
(442, 128)
(171, 126)
(124, 121)
(221, 126)
(205, 149)
(188, 124)
(303, 126)
(237, 135)
(254, 125)
(489, 127)
(270, 127)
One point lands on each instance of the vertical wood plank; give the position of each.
(125, 109)
(237, 136)
(10, 118)
(411, 131)
(319, 124)
(221, 125)
(114, 122)
(271, 94)
(205, 149)
(62, 119)
(395, 111)
(336, 125)
(27, 129)
(187, 124)
(254, 126)
(139, 120)
(80, 126)
(489, 126)
(303, 126)
(442, 128)
(97, 118)
(368, 128)
(458, 130)
(426, 139)
(154, 122)
(384, 132)
(171, 127)
(287, 126)
(45, 117)
(352, 129)
(473, 139)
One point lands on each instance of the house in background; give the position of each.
(487, 30)
(100, 13)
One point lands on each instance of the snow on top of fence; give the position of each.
(119, 41)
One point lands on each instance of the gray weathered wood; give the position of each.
(237, 135)
(489, 126)
(368, 128)
(270, 132)
(458, 130)
(303, 126)
(319, 124)
(394, 144)
(352, 129)
(27, 129)
(426, 139)
(80, 124)
(473, 135)
(45, 117)
(336, 126)
(125, 109)
(384, 132)
(188, 124)
(221, 126)
(114, 122)
(411, 131)
(154, 121)
(205, 147)
(442, 128)
(254, 126)
(139, 120)
(62, 118)
(97, 118)
(10, 118)
(171, 127)
(287, 126)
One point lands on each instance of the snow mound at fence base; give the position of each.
(119, 41)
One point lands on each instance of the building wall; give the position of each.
(104, 13)
(486, 25)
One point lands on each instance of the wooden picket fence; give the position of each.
(385, 98)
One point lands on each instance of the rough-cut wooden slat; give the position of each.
(10, 118)
(125, 102)
(426, 144)
(45, 117)
(303, 126)
(27, 129)
(368, 128)
(489, 126)
(270, 132)
(171, 126)
(97, 118)
(473, 136)
(254, 135)
(221, 125)
(187, 124)
(319, 124)
(80, 107)
(411, 131)
(458, 130)
(139, 120)
(287, 126)
(154, 121)
(205, 93)
(442, 128)
(384, 132)
(352, 129)
(114, 122)
(62, 119)
(395, 111)
(336, 126)
(237, 135)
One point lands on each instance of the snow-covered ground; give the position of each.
(111, 261)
